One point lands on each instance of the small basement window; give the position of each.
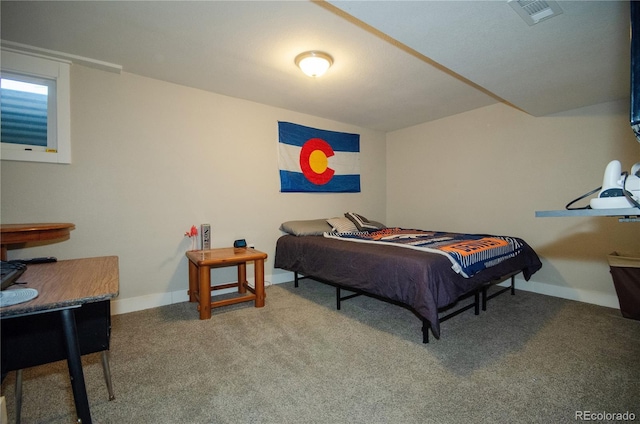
(34, 108)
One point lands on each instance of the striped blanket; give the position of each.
(468, 253)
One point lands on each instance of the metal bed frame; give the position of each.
(478, 294)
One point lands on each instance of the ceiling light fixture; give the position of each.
(314, 63)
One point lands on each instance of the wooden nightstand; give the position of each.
(200, 264)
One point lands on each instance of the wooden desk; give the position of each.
(63, 287)
(200, 264)
(25, 233)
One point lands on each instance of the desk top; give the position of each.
(589, 212)
(67, 284)
(28, 233)
(22, 233)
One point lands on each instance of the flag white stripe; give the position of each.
(343, 163)
(289, 157)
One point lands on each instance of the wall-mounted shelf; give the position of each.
(623, 215)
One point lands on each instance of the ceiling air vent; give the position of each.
(535, 11)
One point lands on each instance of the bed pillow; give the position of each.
(362, 223)
(379, 225)
(310, 227)
(342, 225)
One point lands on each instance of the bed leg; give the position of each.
(476, 302)
(295, 279)
(425, 331)
(484, 298)
(338, 298)
(513, 285)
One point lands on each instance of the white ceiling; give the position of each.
(396, 63)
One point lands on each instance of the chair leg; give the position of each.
(18, 394)
(107, 376)
(107, 373)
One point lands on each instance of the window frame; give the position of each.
(59, 133)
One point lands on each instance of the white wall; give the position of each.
(490, 169)
(152, 158)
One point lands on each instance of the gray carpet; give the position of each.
(529, 358)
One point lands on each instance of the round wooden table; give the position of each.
(25, 233)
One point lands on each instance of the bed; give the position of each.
(424, 281)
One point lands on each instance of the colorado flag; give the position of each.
(313, 160)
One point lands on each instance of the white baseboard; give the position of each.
(122, 306)
(586, 296)
(139, 303)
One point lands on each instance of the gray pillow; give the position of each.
(363, 223)
(310, 227)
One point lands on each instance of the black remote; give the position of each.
(43, 260)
